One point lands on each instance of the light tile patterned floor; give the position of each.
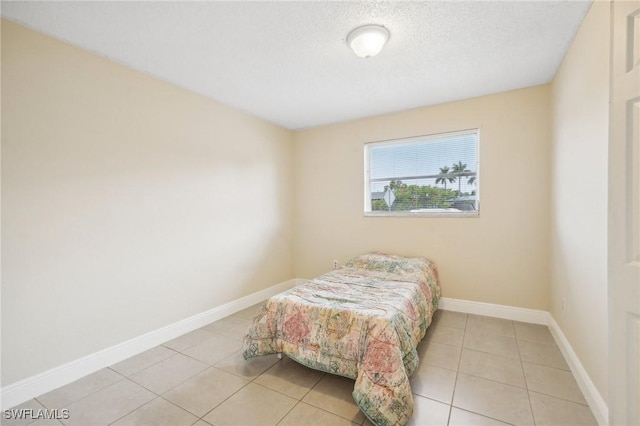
(474, 371)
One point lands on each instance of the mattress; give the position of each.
(361, 321)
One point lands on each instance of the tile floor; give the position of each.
(474, 371)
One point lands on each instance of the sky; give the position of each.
(423, 156)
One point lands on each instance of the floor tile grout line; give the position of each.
(482, 415)
(189, 332)
(491, 353)
(135, 409)
(455, 383)
(122, 377)
(180, 351)
(319, 408)
(173, 387)
(150, 365)
(182, 408)
(547, 366)
(298, 401)
(282, 393)
(221, 402)
(462, 348)
(559, 398)
(495, 381)
(206, 363)
(197, 420)
(324, 374)
(526, 383)
(443, 343)
(551, 395)
(314, 385)
(288, 412)
(129, 412)
(538, 342)
(252, 377)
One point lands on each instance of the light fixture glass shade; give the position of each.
(368, 40)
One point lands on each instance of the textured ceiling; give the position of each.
(288, 62)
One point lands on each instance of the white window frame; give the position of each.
(384, 213)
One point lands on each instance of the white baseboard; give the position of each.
(594, 399)
(598, 406)
(497, 311)
(39, 384)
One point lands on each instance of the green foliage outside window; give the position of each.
(411, 197)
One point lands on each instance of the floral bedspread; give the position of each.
(362, 321)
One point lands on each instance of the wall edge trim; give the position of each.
(513, 313)
(54, 378)
(596, 403)
(31, 387)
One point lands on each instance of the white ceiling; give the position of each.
(288, 62)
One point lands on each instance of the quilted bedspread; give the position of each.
(362, 321)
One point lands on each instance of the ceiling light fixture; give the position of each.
(368, 40)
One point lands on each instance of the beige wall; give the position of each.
(580, 110)
(127, 203)
(500, 257)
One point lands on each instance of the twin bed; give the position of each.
(362, 321)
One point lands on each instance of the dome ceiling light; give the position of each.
(368, 40)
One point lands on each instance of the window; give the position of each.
(425, 175)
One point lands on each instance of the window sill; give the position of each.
(460, 214)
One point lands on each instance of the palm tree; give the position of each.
(444, 177)
(471, 180)
(395, 184)
(457, 169)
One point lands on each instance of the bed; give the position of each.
(361, 321)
